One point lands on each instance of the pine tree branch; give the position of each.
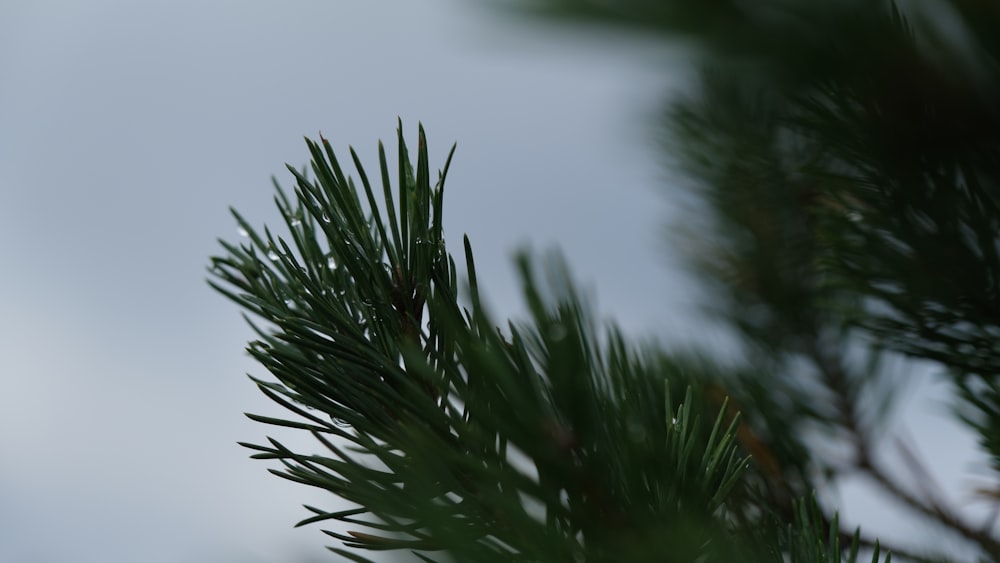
(935, 512)
(368, 343)
(837, 379)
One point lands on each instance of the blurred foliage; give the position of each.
(848, 151)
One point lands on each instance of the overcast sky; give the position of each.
(127, 128)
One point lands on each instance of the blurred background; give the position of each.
(128, 128)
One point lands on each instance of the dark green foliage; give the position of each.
(850, 155)
(549, 441)
(848, 152)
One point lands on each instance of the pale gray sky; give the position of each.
(126, 130)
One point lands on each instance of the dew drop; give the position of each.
(242, 232)
(296, 222)
(331, 263)
(290, 303)
(273, 255)
(853, 216)
(326, 218)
